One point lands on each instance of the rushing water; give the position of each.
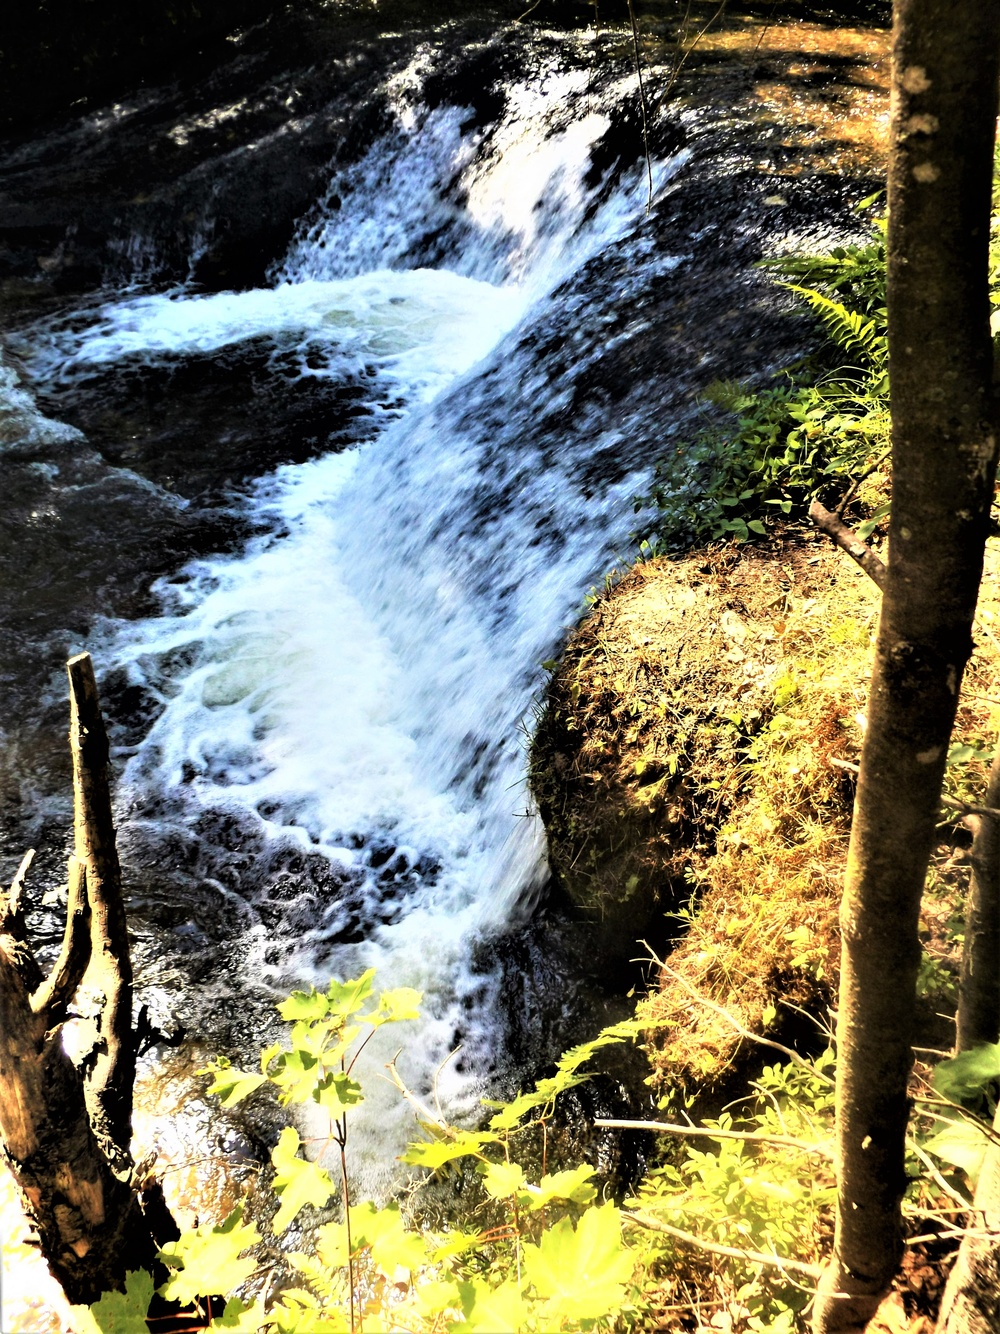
(340, 707)
(321, 695)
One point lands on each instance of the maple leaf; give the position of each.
(208, 1260)
(572, 1185)
(298, 1181)
(581, 1271)
(118, 1312)
(503, 1179)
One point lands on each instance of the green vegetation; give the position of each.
(765, 453)
(744, 1215)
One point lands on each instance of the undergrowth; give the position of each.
(745, 1213)
(766, 453)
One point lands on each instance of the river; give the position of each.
(321, 514)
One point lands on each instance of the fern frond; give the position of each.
(850, 330)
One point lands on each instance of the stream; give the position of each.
(316, 427)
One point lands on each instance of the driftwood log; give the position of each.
(66, 1125)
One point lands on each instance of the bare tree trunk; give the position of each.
(945, 67)
(971, 1303)
(978, 1018)
(65, 1130)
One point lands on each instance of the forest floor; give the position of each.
(689, 766)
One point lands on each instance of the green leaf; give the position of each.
(436, 1296)
(963, 1078)
(231, 1085)
(311, 1004)
(960, 753)
(572, 1186)
(454, 1243)
(338, 1092)
(583, 1272)
(491, 1310)
(208, 1260)
(296, 1074)
(962, 1144)
(437, 1152)
(346, 998)
(118, 1312)
(503, 1179)
(331, 1244)
(393, 1006)
(296, 1180)
(299, 1312)
(239, 1318)
(385, 1233)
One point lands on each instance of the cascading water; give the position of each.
(338, 751)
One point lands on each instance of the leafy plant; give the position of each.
(768, 452)
(557, 1261)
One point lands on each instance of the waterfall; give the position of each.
(338, 752)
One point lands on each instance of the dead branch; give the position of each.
(716, 1248)
(13, 933)
(53, 997)
(17, 884)
(953, 803)
(109, 1088)
(693, 1132)
(847, 539)
(730, 1018)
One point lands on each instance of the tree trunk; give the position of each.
(978, 1018)
(945, 67)
(65, 1130)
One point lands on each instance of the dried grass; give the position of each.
(683, 767)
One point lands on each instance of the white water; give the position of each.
(361, 679)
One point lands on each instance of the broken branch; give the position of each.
(847, 539)
(716, 1248)
(747, 1136)
(55, 994)
(109, 1087)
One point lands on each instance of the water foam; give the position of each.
(361, 679)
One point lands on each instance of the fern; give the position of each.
(848, 329)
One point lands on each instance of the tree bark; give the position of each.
(109, 1085)
(945, 67)
(978, 1018)
(65, 1130)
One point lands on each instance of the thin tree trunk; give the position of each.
(978, 1018)
(945, 66)
(971, 1303)
(65, 1130)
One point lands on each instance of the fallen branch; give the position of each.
(747, 1136)
(743, 1031)
(716, 1248)
(847, 539)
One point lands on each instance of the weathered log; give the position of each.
(109, 1083)
(88, 1221)
(65, 1128)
